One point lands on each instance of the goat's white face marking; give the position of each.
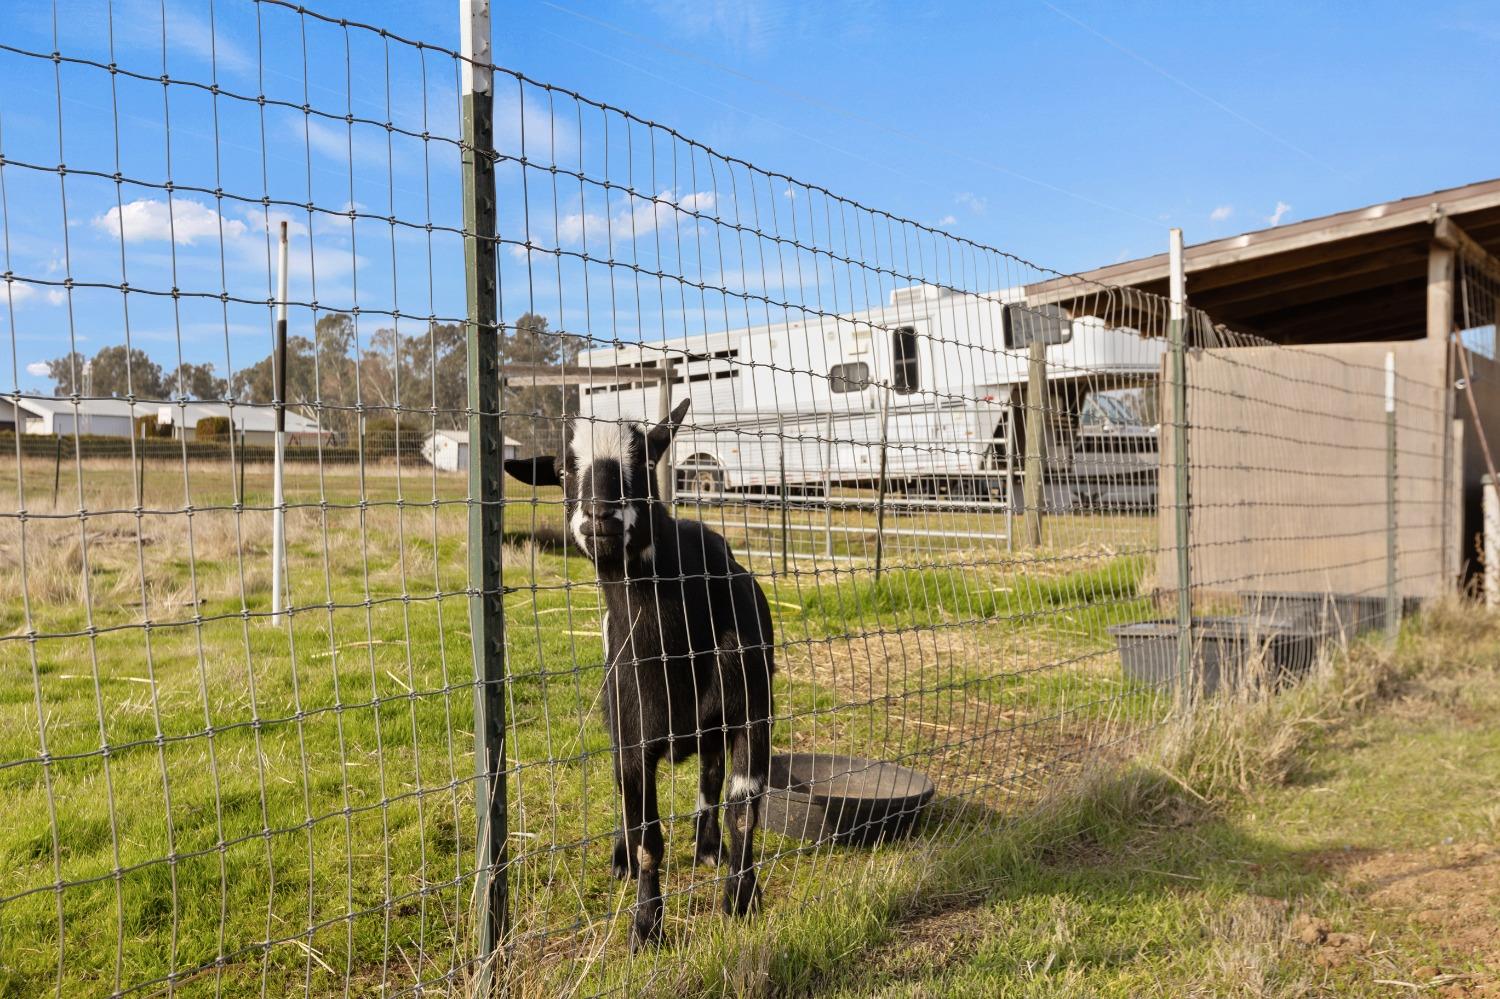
(741, 786)
(603, 441)
(604, 490)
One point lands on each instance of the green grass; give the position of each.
(1144, 884)
(297, 798)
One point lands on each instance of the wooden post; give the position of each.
(1036, 436)
(1491, 490)
(1441, 265)
(1440, 268)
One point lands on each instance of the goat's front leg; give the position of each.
(750, 768)
(709, 846)
(644, 845)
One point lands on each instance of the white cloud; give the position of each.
(972, 202)
(947, 220)
(325, 139)
(151, 219)
(39, 369)
(56, 296)
(638, 217)
(20, 291)
(1280, 213)
(1221, 213)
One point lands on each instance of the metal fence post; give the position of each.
(1010, 476)
(57, 472)
(278, 471)
(1177, 333)
(1392, 600)
(885, 423)
(786, 531)
(486, 486)
(828, 488)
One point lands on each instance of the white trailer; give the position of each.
(929, 375)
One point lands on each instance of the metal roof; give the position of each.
(88, 407)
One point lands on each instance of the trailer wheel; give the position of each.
(704, 476)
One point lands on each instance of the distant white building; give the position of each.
(252, 423)
(64, 417)
(448, 450)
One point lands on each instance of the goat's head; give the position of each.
(607, 473)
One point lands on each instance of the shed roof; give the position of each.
(243, 416)
(38, 405)
(1353, 275)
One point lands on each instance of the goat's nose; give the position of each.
(599, 509)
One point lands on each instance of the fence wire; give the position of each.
(966, 547)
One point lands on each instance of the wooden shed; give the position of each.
(1303, 427)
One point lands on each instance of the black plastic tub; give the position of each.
(845, 799)
(1331, 615)
(1223, 650)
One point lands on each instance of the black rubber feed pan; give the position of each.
(846, 799)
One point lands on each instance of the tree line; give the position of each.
(330, 377)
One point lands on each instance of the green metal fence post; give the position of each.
(1177, 334)
(1392, 600)
(486, 487)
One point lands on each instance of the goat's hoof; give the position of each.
(709, 853)
(741, 894)
(645, 930)
(620, 865)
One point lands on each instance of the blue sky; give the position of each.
(1072, 134)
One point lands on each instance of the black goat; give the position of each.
(687, 649)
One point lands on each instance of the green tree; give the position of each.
(438, 364)
(195, 381)
(257, 383)
(534, 413)
(114, 371)
(67, 373)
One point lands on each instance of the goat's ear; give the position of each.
(537, 471)
(660, 437)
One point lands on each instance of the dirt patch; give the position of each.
(1452, 892)
(1445, 896)
(934, 941)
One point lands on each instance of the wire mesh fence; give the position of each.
(908, 559)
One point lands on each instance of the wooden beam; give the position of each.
(1448, 233)
(1271, 296)
(1408, 260)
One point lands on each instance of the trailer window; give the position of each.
(904, 373)
(852, 377)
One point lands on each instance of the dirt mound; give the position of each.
(1449, 894)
